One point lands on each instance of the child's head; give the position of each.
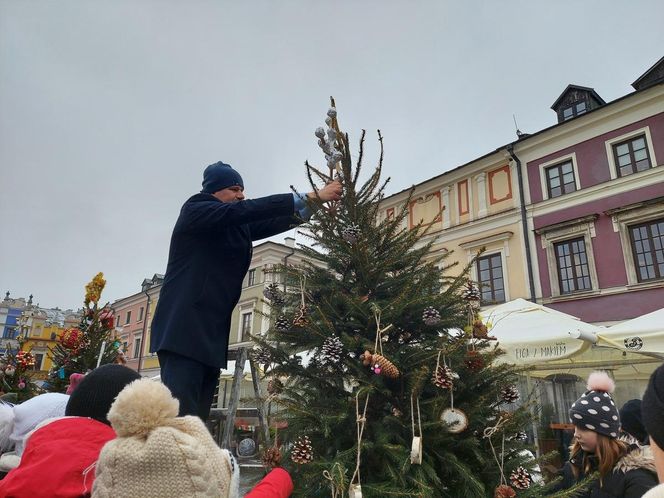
(96, 392)
(595, 409)
(597, 422)
(631, 420)
(157, 450)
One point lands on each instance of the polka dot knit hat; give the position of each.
(595, 409)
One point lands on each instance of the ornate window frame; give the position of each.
(493, 245)
(560, 232)
(627, 216)
(244, 307)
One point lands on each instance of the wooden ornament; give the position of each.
(355, 491)
(416, 451)
(380, 364)
(456, 420)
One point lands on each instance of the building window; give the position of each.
(572, 262)
(137, 347)
(246, 326)
(140, 313)
(128, 318)
(39, 358)
(560, 179)
(10, 333)
(631, 156)
(648, 249)
(251, 277)
(490, 278)
(576, 109)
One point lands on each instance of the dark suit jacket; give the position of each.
(209, 255)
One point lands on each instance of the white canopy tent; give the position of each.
(532, 334)
(644, 334)
(552, 342)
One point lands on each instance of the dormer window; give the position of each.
(576, 100)
(575, 109)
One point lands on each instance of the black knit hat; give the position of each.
(631, 421)
(95, 394)
(595, 409)
(652, 407)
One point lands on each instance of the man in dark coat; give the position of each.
(209, 255)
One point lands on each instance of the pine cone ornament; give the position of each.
(379, 364)
(474, 361)
(301, 320)
(443, 377)
(274, 294)
(351, 233)
(471, 292)
(302, 452)
(520, 478)
(282, 323)
(504, 491)
(261, 355)
(271, 457)
(269, 290)
(274, 387)
(430, 316)
(331, 351)
(510, 394)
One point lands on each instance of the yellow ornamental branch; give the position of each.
(94, 288)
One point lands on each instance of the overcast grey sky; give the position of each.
(110, 110)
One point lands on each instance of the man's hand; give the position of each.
(330, 192)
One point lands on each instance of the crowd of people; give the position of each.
(117, 435)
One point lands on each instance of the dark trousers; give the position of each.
(191, 382)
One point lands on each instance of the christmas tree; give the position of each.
(89, 345)
(16, 368)
(383, 370)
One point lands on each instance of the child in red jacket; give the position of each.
(59, 455)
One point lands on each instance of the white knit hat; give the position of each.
(158, 454)
(32, 412)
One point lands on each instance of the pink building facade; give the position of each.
(595, 209)
(130, 322)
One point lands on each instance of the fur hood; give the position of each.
(640, 457)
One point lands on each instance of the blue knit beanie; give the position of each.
(219, 176)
